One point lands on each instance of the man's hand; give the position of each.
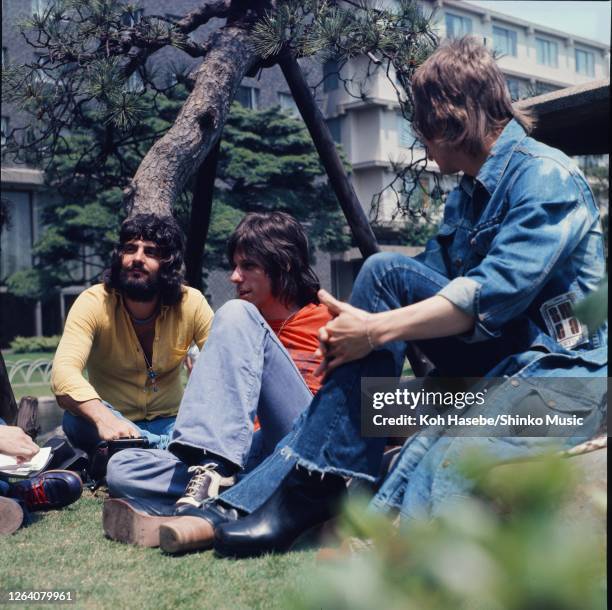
(14, 441)
(111, 428)
(345, 338)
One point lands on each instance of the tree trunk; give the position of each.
(175, 157)
(201, 210)
(326, 147)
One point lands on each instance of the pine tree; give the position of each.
(267, 162)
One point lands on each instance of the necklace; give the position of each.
(280, 330)
(151, 374)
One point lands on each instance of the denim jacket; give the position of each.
(521, 243)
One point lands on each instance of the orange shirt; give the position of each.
(299, 336)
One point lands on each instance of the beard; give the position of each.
(141, 290)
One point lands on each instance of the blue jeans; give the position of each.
(243, 371)
(327, 437)
(83, 434)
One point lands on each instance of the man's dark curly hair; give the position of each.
(167, 235)
(278, 243)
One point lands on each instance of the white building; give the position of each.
(375, 136)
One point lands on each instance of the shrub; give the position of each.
(21, 345)
(508, 547)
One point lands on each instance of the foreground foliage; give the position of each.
(509, 548)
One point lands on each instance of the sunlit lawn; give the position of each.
(67, 550)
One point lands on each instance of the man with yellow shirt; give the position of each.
(131, 333)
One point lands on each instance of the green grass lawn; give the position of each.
(67, 550)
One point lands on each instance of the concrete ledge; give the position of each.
(22, 176)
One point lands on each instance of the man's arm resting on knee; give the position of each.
(431, 318)
(109, 426)
(353, 333)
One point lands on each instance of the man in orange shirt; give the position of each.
(258, 362)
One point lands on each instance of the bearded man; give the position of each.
(131, 333)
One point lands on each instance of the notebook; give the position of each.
(10, 467)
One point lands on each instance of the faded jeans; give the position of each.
(327, 437)
(243, 371)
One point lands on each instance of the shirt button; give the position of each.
(472, 242)
(552, 403)
(515, 383)
(458, 263)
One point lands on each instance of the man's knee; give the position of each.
(121, 473)
(236, 312)
(381, 262)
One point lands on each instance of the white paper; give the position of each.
(9, 465)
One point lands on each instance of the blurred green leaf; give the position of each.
(593, 310)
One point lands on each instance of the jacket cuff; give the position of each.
(463, 292)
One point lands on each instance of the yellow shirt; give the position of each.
(99, 335)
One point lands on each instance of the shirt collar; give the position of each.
(493, 168)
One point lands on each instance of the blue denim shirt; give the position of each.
(521, 243)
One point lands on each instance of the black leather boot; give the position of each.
(302, 502)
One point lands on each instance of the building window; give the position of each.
(514, 87)
(547, 52)
(39, 7)
(335, 128)
(457, 26)
(504, 41)
(4, 130)
(16, 243)
(287, 103)
(405, 135)
(542, 88)
(248, 97)
(585, 62)
(331, 75)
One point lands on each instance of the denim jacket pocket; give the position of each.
(567, 397)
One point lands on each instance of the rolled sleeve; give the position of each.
(463, 292)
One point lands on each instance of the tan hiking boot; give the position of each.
(123, 522)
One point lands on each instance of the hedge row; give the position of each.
(21, 345)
